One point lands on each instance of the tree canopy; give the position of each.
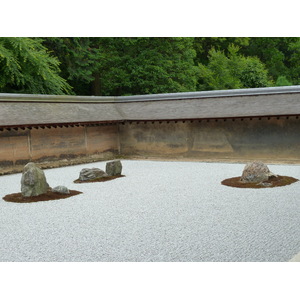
(141, 65)
(122, 66)
(232, 71)
(27, 67)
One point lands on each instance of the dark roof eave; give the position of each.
(66, 124)
(98, 123)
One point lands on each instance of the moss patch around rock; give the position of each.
(18, 198)
(99, 179)
(274, 181)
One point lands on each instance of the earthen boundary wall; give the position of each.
(236, 126)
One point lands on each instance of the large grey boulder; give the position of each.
(114, 168)
(90, 174)
(33, 181)
(256, 172)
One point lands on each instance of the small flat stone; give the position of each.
(61, 189)
(265, 184)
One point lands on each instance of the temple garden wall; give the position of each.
(275, 138)
(57, 146)
(237, 139)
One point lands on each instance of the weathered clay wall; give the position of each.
(14, 147)
(102, 139)
(50, 143)
(17, 147)
(273, 138)
(276, 139)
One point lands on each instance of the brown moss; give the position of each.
(270, 183)
(99, 179)
(18, 198)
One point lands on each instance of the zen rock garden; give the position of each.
(257, 175)
(34, 186)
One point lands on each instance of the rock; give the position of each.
(114, 168)
(90, 174)
(265, 184)
(33, 181)
(61, 189)
(256, 172)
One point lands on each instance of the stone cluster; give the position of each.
(113, 168)
(34, 183)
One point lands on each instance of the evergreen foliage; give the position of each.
(232, 71)
(27, 67)
(124, 66)
(79, 61)
(141, 65)
(282, 81)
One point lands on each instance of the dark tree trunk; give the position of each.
(96, 85)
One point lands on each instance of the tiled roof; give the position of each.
(18, 110)
(32, 113)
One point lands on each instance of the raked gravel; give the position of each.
(160, 211)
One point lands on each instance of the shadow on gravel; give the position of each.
(272, 182)
(18, 198)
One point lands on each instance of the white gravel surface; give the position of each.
(161, 211)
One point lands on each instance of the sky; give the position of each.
(149, 18)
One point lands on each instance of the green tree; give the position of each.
(279, 54)
(203, 45)
(80, 59)
(124, 66)
(219, 73)
(27, 67)
(282, 81)
(159, 65)
(253, 73)
(294, 61)
(232, 71)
